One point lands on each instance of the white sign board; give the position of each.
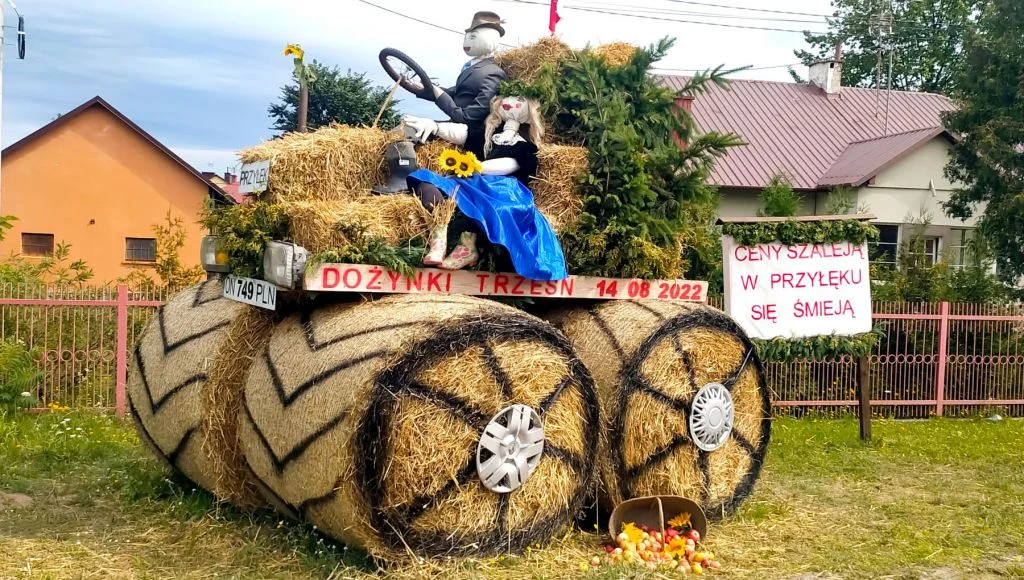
(774, 290)
(250, 291)
(370, 279)
(253, 177)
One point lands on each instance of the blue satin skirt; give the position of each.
(504, 209)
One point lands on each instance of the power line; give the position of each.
(743, 69)
(672, 12)
(645, 17)
(731, 7)
(412, 18)
(431, 24)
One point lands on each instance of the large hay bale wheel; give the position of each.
(685, 405)
(171, 363)
(367, 420)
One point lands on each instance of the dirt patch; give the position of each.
(14, 501)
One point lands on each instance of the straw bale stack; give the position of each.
(615, 53)
(399, 217)
(648, 360)
(171, 366)
(364, 419)
(331, 163)
(559, 170)
(524, 63)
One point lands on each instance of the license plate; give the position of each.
(251, 291)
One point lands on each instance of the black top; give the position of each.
(525, 153)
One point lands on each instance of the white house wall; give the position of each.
(903, 190)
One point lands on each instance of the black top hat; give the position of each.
(487, 20)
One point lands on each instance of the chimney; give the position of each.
(229, 177)
(684, 102)
(827, 75)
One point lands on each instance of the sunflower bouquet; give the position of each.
(458, 163)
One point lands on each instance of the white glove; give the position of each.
(438, 91)
(419, 129)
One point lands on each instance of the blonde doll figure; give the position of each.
(495, 205)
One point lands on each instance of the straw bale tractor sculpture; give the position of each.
(410, 411)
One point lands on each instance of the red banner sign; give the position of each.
(366, 278)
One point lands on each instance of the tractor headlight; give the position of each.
(212, 256)
(284, 264)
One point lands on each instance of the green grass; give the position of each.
(939, 498)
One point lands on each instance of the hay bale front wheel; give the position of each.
(684, 397)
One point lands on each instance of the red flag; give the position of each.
(554, 18)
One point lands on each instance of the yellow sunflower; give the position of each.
(467, 165)
(294, 50)
(449, 160)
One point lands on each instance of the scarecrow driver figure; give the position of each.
(468, 102)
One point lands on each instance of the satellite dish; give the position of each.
(21, 37)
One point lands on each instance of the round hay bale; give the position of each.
(649, 359)
(365, 420)
(171, 363)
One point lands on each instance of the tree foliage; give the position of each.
(987, 160)
(644, 196)
(927, 42)
(171, 273)
(19, 375)
(58, 269)
(334, 97)
(778, 199)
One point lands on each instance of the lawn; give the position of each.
(934, 499)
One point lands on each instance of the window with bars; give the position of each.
(140, 249)
(37, 244)
(884, 250)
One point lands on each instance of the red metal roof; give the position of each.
(864, 159)
(800, 131)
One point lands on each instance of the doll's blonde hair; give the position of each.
(494, 121)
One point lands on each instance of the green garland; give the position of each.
(371, 249)
(818, 347)
(794, 232)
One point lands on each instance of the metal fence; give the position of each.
(943, 358)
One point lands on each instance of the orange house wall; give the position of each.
(94, 167)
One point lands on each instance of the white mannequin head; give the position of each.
(481, 42)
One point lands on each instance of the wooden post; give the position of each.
(864, 396)
(121, 378)
(303, 105)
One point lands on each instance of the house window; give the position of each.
(928, 247)
(884, 250)
(958, 241)
(37, 244)
(140, 249)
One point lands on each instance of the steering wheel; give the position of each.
(407, 73)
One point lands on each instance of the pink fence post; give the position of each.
(122, 349)
(940, 374)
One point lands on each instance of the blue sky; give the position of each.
(199, 75)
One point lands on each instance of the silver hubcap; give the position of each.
(510, 448)
(711, 417)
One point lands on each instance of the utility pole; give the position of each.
(21, 54)
(881, 26)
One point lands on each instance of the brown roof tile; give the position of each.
(798, 130)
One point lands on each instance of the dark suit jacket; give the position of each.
(469, 101)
